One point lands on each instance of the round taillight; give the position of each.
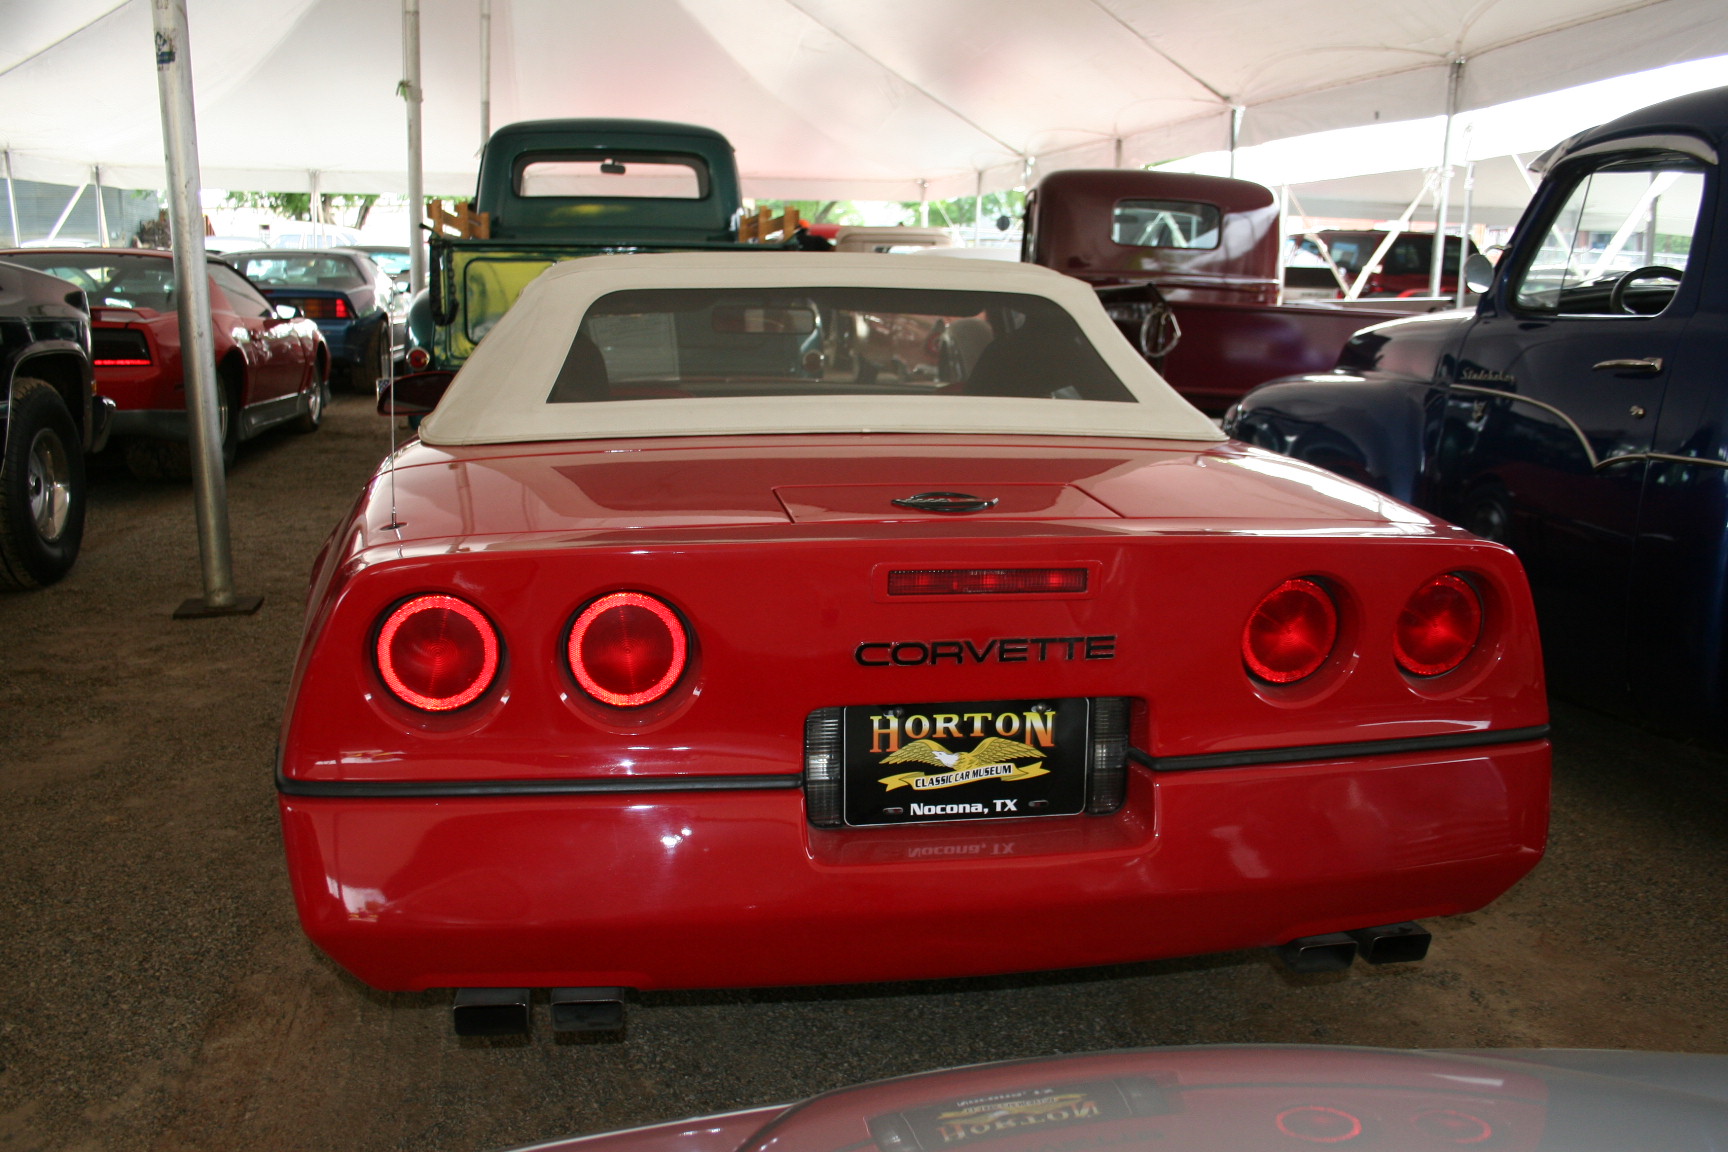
(1290, 633)
(418, 359)
(1439, 626)
(437, 653)
(1452, 1126)
(627, 649)
(1318, 1125)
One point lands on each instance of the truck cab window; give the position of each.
(1165, 224)
(612, 176)
(1620, 241)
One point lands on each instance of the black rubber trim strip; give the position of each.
(1335, 751)
(379, 789)
(402, 789)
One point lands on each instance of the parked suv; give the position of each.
(50, 416)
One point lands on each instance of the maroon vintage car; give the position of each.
(1188, 267)
(1404, 268)
(274, 366)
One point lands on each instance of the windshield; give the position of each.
(298, 270)
(393, 263)
(108, 277)
(665, 344)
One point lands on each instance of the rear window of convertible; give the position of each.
(677, 343)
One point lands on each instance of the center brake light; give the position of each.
(976, 581)
(1290, 633)
(627, 649)
(437, 653)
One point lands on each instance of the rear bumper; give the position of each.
(735, 889)
(149, 423)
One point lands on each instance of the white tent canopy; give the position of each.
(861, 99)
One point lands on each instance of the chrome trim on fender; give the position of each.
(1596, 464)
(1665, 456)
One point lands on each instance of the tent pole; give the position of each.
(12, 201)
(1118, 162)
(192, 291)
(485, 71)
(101, 208)
(66, 212)
(410, 90)
(1464, 227)
(314, 182)
(1437, 262)
(1236, 111)
(978, 211)
(923, 203)
(1385, 246)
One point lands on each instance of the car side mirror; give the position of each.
(287, 312)
(414, 394)
(1478, 273)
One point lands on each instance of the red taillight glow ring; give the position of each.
(1290, 633)
(1439, 627)
(441, 662)
(638, 665)
(1318, 1124)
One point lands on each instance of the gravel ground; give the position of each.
(157, 993)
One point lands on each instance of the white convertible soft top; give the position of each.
(500, 395)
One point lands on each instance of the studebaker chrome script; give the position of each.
(1002, 650)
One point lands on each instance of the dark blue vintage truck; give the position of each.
(1579, 413)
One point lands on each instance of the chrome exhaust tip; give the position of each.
(491, 1011)
(587, 1009)
(1393, 943)
(1331, 952)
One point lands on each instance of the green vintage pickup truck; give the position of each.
(552, 190)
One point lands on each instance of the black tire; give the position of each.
(172, 459)
(147, 459)
(316, 399)
(1488, 513)
(373, 366)
(228, 420)
(42, 492)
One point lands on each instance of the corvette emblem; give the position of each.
(990, 760)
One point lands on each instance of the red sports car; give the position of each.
(1238, 1098)
(662, 660)
(274, 367)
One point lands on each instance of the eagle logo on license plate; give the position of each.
(992, 759)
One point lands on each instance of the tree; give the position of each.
(818, 211)
(298, 205)
(960, 211)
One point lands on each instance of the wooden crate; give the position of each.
(460, 222)
(756, 229)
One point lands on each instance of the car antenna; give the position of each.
(395, 524)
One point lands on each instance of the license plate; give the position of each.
(964, 760)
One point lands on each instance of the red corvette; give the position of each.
(672, 656)
(273, 368)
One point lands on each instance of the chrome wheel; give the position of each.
(48, 483)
